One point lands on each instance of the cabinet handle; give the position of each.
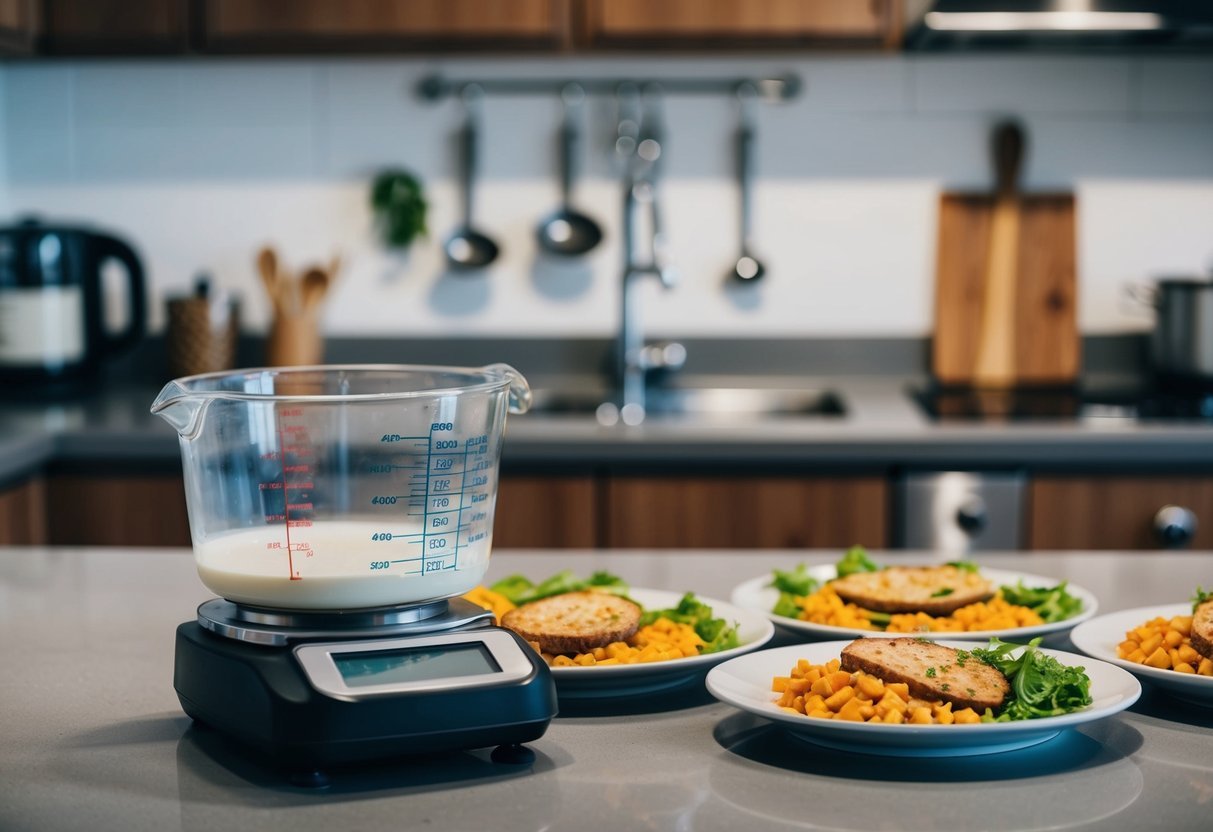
(1175, 526)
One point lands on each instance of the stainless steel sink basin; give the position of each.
(703, 402)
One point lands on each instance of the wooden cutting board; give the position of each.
(1006, 283)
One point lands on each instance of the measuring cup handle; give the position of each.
(520, 391)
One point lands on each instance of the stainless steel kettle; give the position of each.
(52, 310)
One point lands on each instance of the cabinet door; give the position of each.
(113, 27)
(746, 512)
(23, 514)
(1115, 512)
(717, 23)
(18, 26)
(545, 513)
(381, 25)
(117, 511)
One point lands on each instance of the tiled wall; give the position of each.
(199, 163)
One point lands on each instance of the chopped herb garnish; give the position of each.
(943, 668)
(971, 692)
(944, 686)
(930, 673)
(942, 592)
(922, 640)
(962, 656)
(963, 565)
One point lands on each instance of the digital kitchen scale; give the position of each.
(318, 689)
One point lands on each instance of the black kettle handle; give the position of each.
(136, 327)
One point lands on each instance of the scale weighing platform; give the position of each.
(317, 689)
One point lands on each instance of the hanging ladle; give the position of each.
(468, 248)
(747, 267)
(568, 232)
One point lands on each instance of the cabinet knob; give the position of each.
(1175, 526)
(972, 516)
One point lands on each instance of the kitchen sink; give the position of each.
(702, 402)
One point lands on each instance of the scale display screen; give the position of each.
(414, 664)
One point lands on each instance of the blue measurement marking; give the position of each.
(463, 476)
(425, 521)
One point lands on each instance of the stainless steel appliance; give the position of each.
(52, 310)
(960, 512)
(1041, 25)
(1181, 345)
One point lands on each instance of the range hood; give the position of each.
(1060, 25)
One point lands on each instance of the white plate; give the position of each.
(745, 683)
(1099, 636)
(593, 682)
(755, 594)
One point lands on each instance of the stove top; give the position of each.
(1147, 404)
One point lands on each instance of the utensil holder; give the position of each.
(202, 334)
(294, 341)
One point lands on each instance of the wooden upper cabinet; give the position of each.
(1114, 512)
(115, 27)
(18, 26)
(738, 23)
(382, 25)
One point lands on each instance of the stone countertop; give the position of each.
(882, 428)
(93, 737)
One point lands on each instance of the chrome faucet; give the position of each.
(639, 143)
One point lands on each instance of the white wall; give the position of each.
(199, 163)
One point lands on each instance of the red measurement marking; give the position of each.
(271, 486)
(290, 559)
(298, 469)
(297, 486)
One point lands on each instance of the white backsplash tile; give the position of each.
(1175, 86)
(1025, 84)
(128, 95)
(201, 162)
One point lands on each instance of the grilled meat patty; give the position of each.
(935, 590)
(932, 671)
(575, 622)
(1202, 630)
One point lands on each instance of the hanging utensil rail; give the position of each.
(773, 89)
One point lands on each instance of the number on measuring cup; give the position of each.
(442, 426)
(380, 564)
(381, 536)
(383, 500)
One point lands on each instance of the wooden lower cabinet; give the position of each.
(546, 512)
(746, 512)
(87, 510)
(23, 514)
(1114, 512)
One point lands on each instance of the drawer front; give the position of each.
(1120, 512)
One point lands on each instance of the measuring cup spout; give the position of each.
(520, 391)
(180, 408)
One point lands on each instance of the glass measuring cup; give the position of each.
(342, 487)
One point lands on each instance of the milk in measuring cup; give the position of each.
(348, 568)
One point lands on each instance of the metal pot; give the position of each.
(1181, 345)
